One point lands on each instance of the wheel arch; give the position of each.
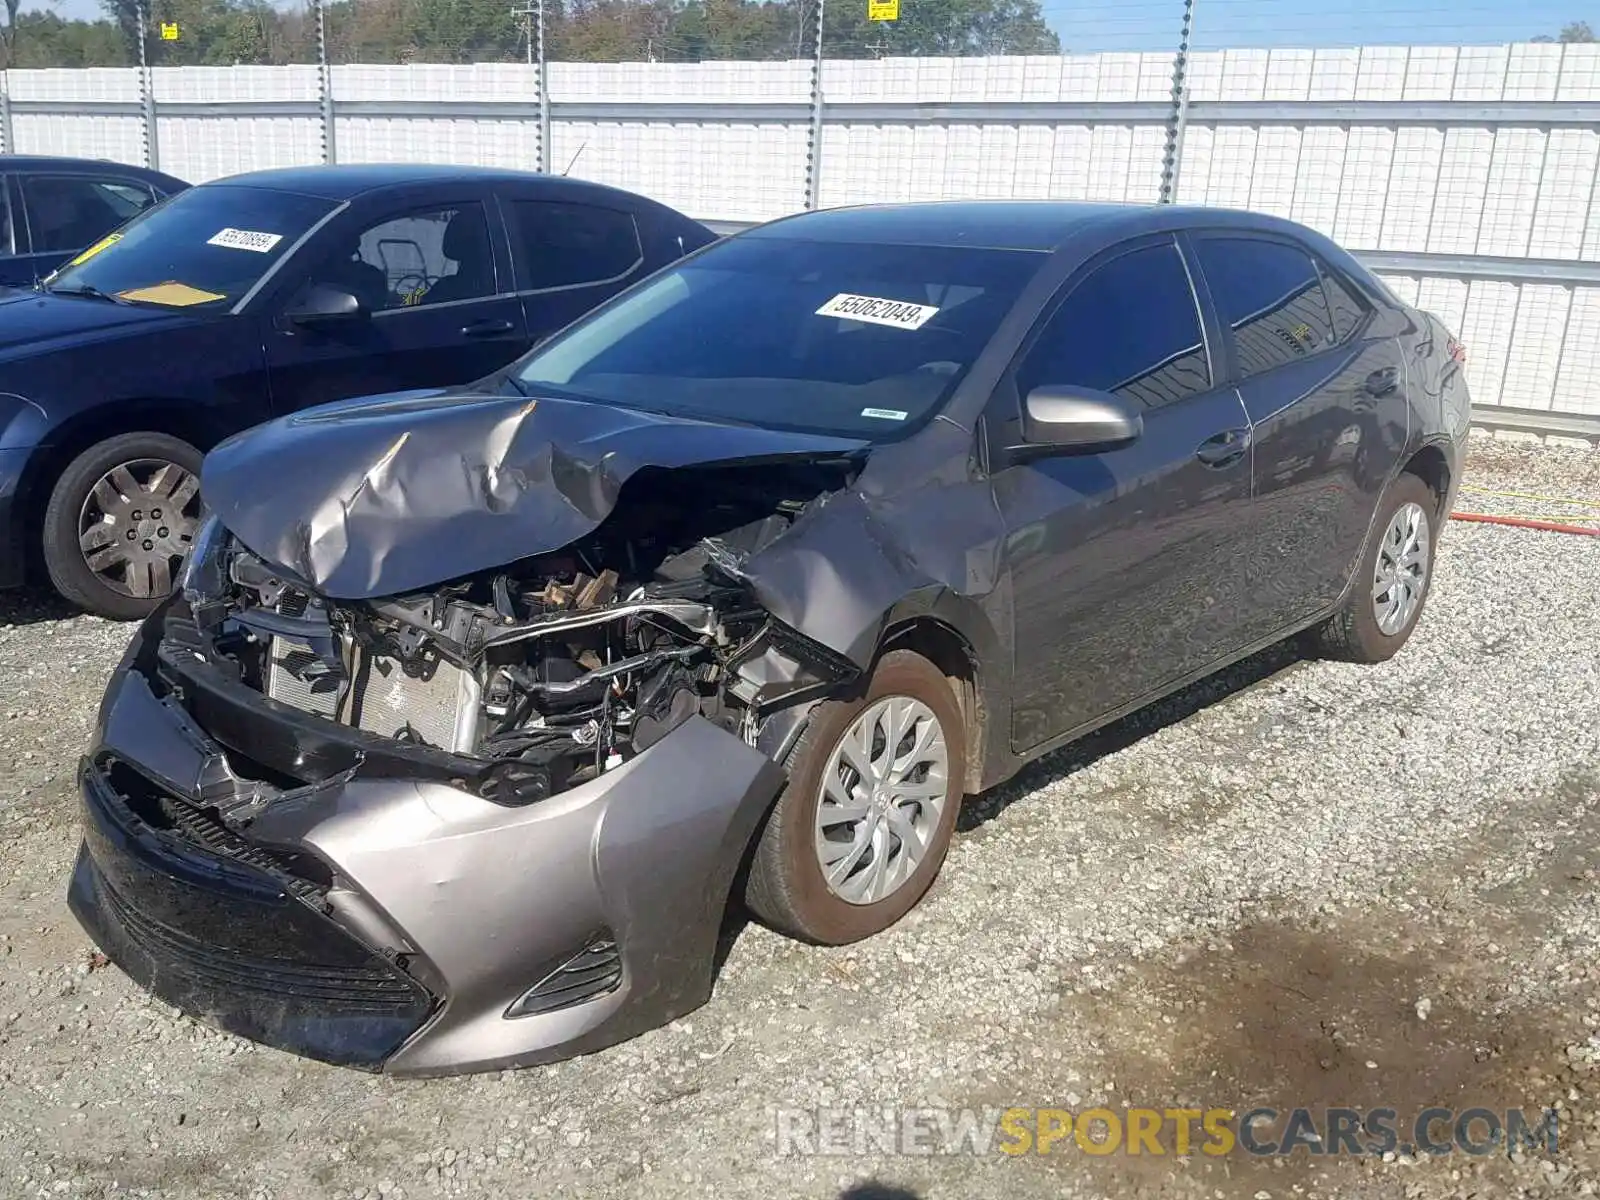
(1431, 464)
(954, 634)
(71, 437)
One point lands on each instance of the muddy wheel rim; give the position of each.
(136, 524)
(1401, 575)
(883, 792)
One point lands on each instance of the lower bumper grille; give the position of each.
(220, 938)
(348, 990)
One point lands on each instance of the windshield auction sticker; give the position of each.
(244, 239)
(898, 314)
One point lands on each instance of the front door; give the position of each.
(1121, 563)
(434, 284)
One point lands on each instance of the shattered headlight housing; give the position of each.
(200, 576)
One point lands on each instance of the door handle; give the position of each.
(487, 328)
(1224, 449)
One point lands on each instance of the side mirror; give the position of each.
(1077, 420)
(321, 305)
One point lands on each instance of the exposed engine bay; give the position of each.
(560, 667)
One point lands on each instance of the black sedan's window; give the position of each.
(67, 212)
(422, 257)
(1130, 328)
(840, 338)
(203, 248)
(568, 245)
(1271, 295)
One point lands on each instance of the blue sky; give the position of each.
(1147, 24)
(1152, 24)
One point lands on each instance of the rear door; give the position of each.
(569, 256)
(1123, 565)
(63, 213)
(433, 275)
(1324, 387)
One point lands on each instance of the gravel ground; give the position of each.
(1303, 884)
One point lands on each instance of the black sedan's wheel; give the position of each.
(861, 828)
(119, 522)
(1391, 583)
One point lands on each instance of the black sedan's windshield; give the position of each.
(824, 337)
(203, 248)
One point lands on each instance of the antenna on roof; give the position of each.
(574, 161)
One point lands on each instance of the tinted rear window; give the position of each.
(567, 245)
(1271, 295)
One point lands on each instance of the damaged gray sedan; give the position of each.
(475, 710)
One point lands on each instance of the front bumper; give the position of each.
(444, 911)
(227, 942)
(13, 557)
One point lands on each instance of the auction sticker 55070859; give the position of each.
(244, 239)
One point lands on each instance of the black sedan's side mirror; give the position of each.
(1077, 421)
(320, 306)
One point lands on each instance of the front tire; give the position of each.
(861, 829)
(119, 522)
(1391, 583)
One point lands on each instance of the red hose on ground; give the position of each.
(1524, 523)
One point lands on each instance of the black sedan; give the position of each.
(253, 296)
(51, 208)
(473, 710)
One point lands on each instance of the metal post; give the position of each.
(7, 145)
(147, 93)
(543, 68)
(532, 14)
(1179, 121)
(814, 138)
(330, 152)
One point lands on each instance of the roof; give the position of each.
(56, 162)
(346, 181)
(991, 224)
(1039, 225)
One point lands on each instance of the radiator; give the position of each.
(437, 702)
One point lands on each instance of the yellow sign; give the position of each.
(178, 295)
(169, 31)
(103, 244)
(883, 10)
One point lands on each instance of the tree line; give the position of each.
(229, 32)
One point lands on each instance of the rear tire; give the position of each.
(118, 522)
(1391, 582)
(908, 797)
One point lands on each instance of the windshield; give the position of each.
(822, 337)
(203, 248)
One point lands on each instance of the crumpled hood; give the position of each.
(396, 493)
(37, 321)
